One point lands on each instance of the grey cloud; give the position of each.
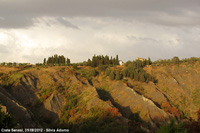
(15, 22)
(55, 21)
(132, 37)
(19, 13)
(66, 23)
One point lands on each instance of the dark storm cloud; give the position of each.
(20, 13)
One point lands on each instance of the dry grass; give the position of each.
(4, 69)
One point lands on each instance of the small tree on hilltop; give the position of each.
(44, 61)
(117, 60)
(68, 61)
(149, 62)
(175, 60)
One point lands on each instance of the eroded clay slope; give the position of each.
(181, 86)
(127, 98)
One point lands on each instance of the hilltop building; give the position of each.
(121, 63)
(141, 59)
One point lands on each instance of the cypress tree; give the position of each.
(94, 61)
(142, 78)
(132, 75)
(125, 73)
(108, 72)
(117, 60)
(111, 60)
(106, 60)
(112, 75)
(68, 61)
(149, 62)
(89, 62)
(44, 61)
(118, 76)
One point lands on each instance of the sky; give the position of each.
(31, 30)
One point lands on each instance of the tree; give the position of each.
(94, 61)
(44, 61)
(118, 76)
(7, 120)
(56, 60)
(93, 72)
(101, 60)
(149, 62)
(148, 78)
(75, 66)
(106, 60)
(89, 62)
(132, 75)
(175, 60)
(112, 75)
(3, 64)
(125, 73)
(14, 64)
(136, 76)
(108, 71)
(172, 128)
(142, 78)
(117, 60)
(68, 61)
(9, 64)
(102, 67)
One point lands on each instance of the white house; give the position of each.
(121, 63)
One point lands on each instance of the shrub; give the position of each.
(7, 120)
(194, 126)
(1, 74)
(168, 108)
(125, 73)
(112, 75)
(75, 66)
(175, 60)
(93, 72)
(108, 71)
(172, 128)
(102, 67)
(118, 75)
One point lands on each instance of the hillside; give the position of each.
(85, 99)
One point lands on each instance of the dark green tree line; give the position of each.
(57, 60)
(102, 60)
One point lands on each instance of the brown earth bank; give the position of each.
(63, 96)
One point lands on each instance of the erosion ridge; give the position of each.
(63, 95)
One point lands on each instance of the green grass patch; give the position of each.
(16, 76)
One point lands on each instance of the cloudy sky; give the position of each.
(31, 30)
